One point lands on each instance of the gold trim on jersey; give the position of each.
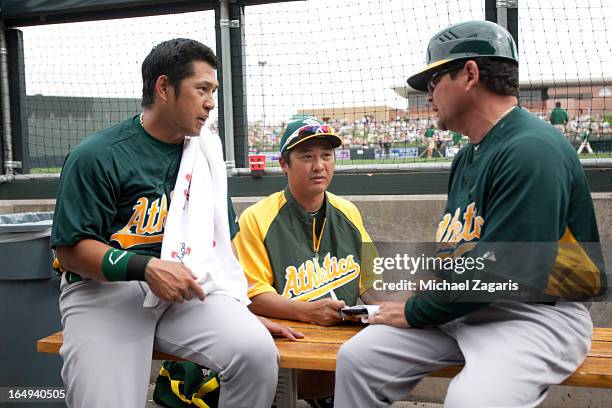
(574, 275)
(128, 240)
(252, 253)
(351, 212)
(146, 225)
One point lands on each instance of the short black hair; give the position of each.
(557, 104)
(497, 74)
(173, 58)
(286, 156)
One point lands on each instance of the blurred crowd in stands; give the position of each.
(366, 133)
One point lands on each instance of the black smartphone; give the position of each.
(354, 310)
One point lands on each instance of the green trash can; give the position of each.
(29, 311)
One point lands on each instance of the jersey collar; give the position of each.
(298, 211)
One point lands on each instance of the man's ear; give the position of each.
(473, 74)
(163, 87)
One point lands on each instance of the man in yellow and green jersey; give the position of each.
(302, 248)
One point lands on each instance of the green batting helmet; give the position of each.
(461, 42)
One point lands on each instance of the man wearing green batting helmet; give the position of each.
(456, 44)
(519, 207)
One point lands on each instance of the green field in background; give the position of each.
(52, 170)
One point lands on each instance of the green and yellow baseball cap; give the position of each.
(461, 42)
(303, 129)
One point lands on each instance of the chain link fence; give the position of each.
(344, 62)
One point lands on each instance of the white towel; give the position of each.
(197, 229)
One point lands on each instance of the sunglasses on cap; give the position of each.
(434, 78)
(307, 131)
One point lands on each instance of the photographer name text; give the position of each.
(443, 285)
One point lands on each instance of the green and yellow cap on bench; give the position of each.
(461, 42)
(306, 128)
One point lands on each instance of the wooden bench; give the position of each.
(318, 350)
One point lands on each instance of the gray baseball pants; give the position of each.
(512, 352)
(109, 338)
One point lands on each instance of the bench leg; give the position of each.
(286, 390)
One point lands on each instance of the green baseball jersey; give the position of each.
(281, 251)
(116, 188)
(558, 116)
(457, 138)
(522, 187)
(430, 132)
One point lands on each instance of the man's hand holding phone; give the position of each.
(354, 310)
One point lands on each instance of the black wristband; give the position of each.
(136, 267)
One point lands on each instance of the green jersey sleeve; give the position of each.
(85, 205)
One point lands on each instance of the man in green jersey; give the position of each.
(519, 203)
(302, 248)
(558, 117)
(113, 201)
(457, 137)
(431, 142)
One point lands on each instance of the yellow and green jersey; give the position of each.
(519, 199)
(286, 250)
